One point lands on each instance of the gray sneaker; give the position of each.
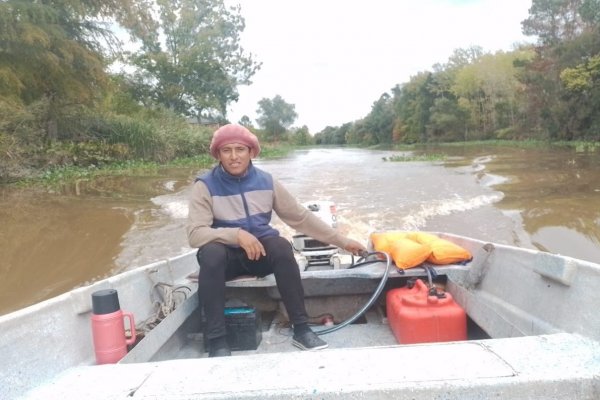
(219, 352)
(309, 341)
(218, 347)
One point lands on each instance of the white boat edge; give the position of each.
(547, 342)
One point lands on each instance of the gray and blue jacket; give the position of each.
(241, 202)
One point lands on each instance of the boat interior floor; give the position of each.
(370, 330)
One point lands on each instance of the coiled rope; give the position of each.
(166, 299)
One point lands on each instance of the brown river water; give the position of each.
(546, 199)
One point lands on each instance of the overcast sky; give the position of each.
(333, 59)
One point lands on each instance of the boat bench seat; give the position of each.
(372, 271)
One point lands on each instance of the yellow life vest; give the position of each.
(410, 249)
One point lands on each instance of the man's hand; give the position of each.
(355, 248)
(253, 248)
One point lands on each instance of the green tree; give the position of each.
(582, 84)
(568, 35)
(448, 120)
(467, 89)
(381, 119)
(343, 133)
(327, 135)
(245, 121)
(302, 137)
(464, 56)
(554, 20)
(55, 52)
(412, 105)
(195, 63)
(275, 116)
(488, 90)
(590, 12)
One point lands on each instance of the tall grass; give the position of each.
(414, 157)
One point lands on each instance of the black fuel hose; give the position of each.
(373, 298)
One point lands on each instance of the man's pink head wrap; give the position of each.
(232, 133)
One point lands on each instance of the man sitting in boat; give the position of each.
(229, 222)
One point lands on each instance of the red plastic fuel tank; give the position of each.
(417, 317)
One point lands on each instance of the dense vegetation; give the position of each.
(549, 91)
(65, 103)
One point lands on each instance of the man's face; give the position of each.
(235, 158)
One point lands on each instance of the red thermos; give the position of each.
(108, 327)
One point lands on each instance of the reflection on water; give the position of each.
(556, 193)
(53, 242)
(536, 198)
(50, 242)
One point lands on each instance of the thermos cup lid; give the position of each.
(105, 301)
